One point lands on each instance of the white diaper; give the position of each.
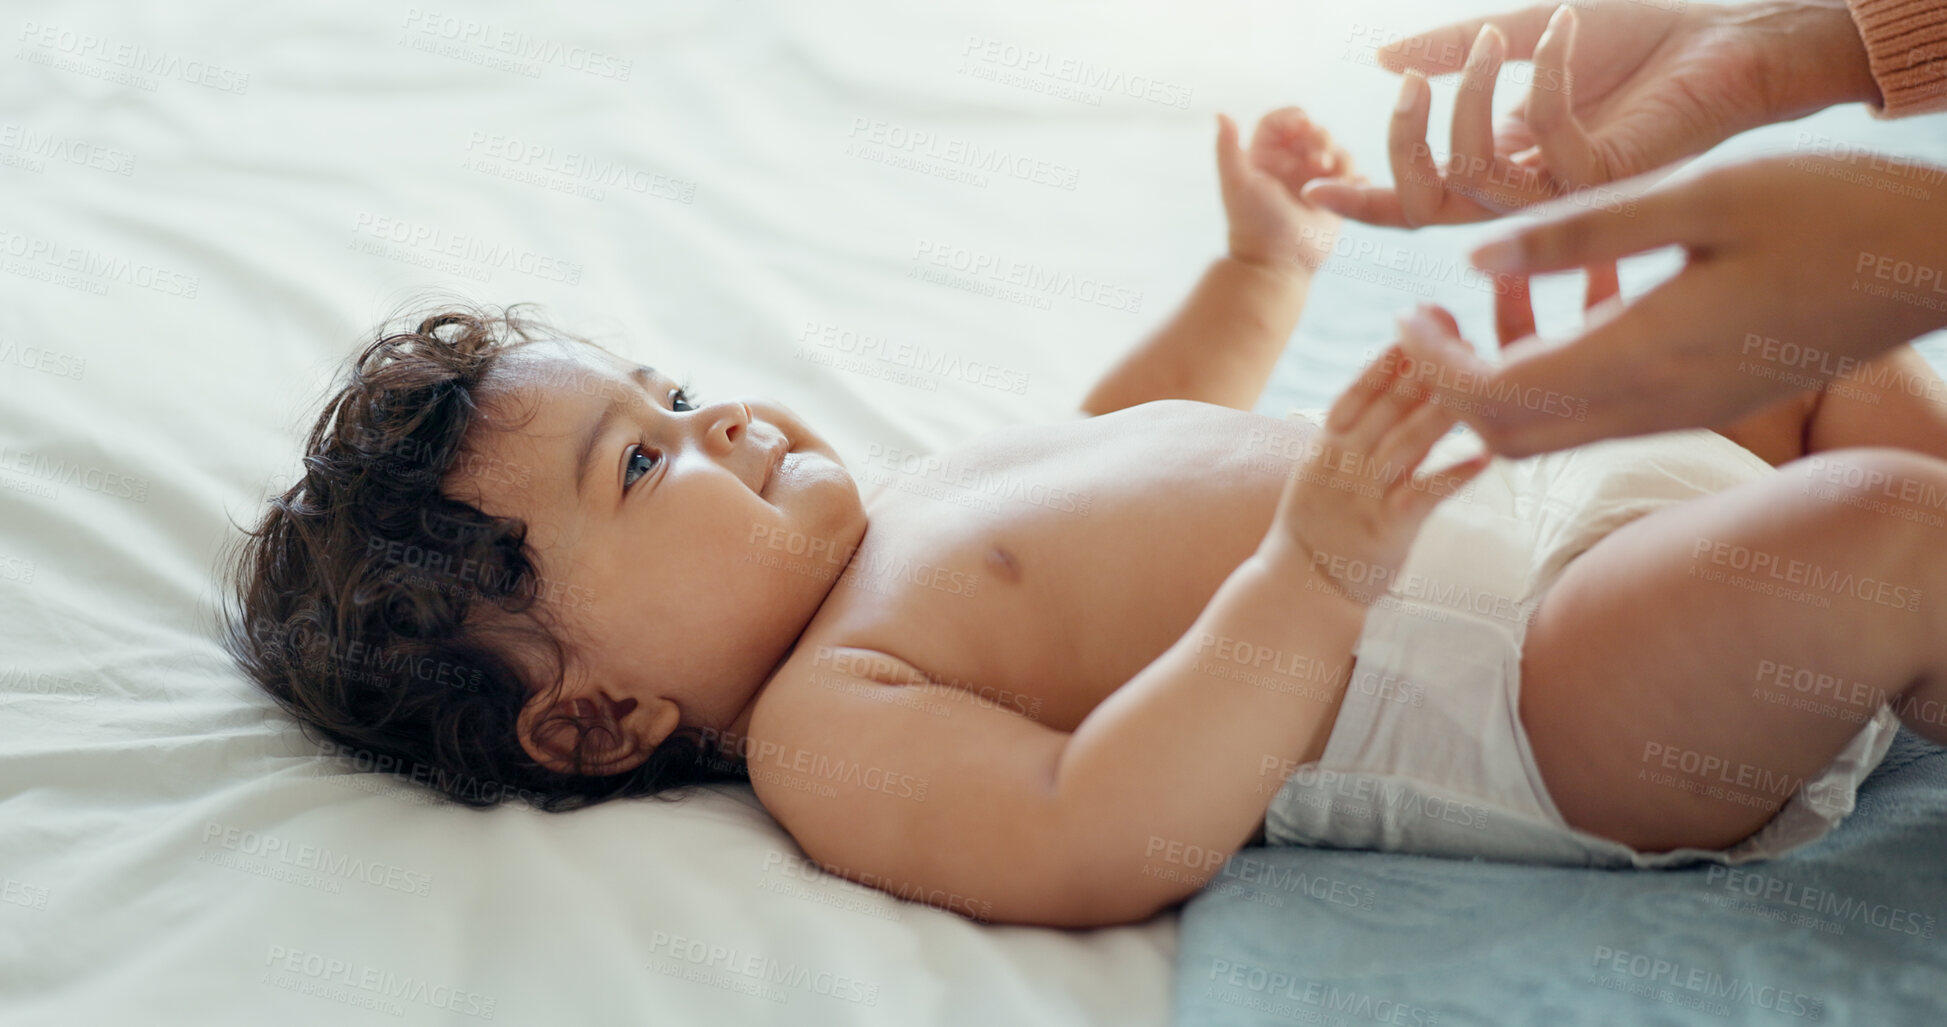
(1428, 754)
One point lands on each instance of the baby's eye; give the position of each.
(646, 459)
(681, 396)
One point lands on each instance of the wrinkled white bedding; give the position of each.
(208, 205)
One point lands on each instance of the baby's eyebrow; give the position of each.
(641, 374)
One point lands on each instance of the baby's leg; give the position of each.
(1896, 400)
(1654, 670)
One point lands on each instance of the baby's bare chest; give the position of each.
(1044, 567)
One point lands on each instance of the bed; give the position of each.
(212, 204)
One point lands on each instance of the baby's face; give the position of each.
(649, 518)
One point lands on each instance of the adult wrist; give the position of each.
(1815, 55)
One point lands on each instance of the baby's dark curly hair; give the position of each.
(354, 591)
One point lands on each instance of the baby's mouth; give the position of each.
(774, 461)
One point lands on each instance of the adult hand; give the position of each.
(1800, 269)
(1646, 87)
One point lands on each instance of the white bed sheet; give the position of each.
(208, 205)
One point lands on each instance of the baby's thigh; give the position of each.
(1644, 676)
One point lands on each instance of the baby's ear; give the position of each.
(615, 736)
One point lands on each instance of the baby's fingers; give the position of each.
(1401, 449)
(1428, 490)
(1230, 156)
(1372, 382)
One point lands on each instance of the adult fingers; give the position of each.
(1374, 205)
(1480, 175)
(1514, 308)
(1632, 373)
(1564, 146)
(1443, 50)
(1603, 285)
(1441, 316)
(1473, 108)
(1572, 241)
(1416, 179)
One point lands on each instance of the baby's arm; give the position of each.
(1221, 345)
(965, 805)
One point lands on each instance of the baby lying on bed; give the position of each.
(519, 564)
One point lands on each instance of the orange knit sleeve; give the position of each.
(1906, 43)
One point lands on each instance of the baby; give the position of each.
(518, 564)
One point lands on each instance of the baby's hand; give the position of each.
(1269, 224)
(1352, 508)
